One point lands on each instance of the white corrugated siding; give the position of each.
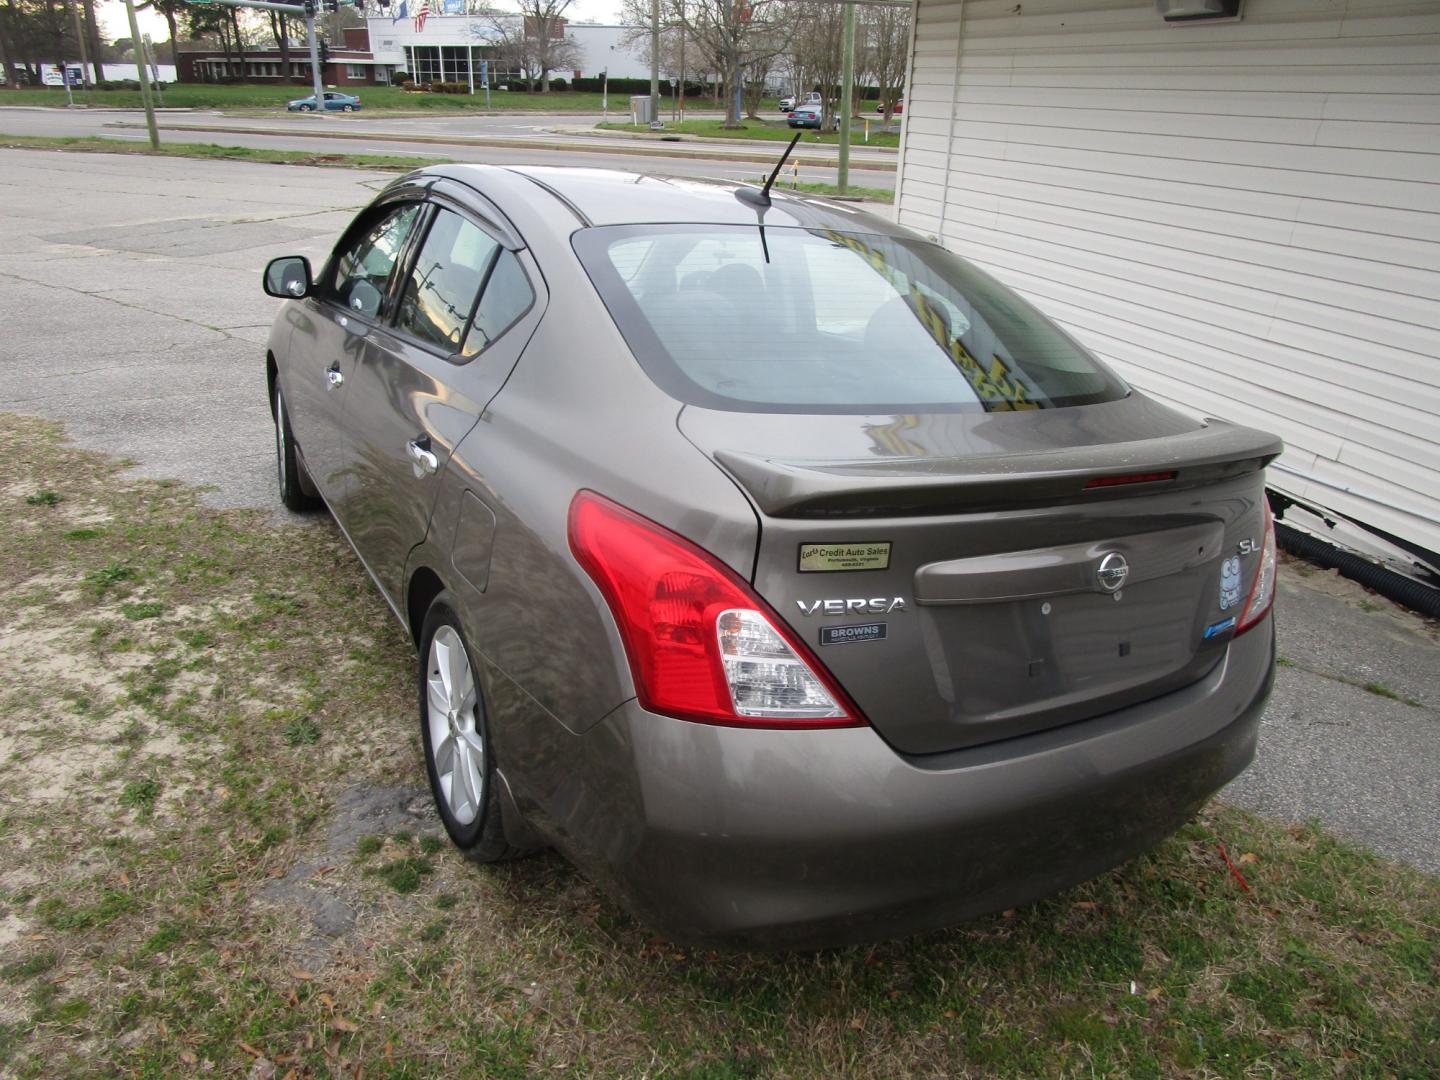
(1243, 217)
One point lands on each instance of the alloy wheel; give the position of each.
(457, 742)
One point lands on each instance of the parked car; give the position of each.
(788, 104)
(801, 583)
(809, 116)
(899, 108)
(334, 102)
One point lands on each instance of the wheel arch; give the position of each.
(424, 585)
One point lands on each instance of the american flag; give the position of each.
(421, 12)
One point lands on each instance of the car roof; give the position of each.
(622, 197)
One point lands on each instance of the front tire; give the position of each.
(307, 108)
(458, 757)
(347, 108)
(288, 468)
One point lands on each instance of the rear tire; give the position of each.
(347, 108)
(288, 467)
(307, 108)
(454, 731)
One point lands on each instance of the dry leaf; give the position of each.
(339, 1023)
(1247, 858)
(1084, 905)
(248, 1048)
(1154, 995)
(857, 1023)
(189, 1058)
(325, 999)
(301, 975)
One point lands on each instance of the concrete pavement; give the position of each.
(132, 311)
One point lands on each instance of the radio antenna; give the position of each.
(761, 198)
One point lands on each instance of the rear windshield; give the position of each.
(814, 320)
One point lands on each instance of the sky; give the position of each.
(113, 23)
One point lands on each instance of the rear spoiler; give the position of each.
(866, 487)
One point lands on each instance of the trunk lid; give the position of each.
(975, 577)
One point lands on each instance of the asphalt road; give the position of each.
(502, 140)
(131, 307)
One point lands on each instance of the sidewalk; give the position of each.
(1352, 732)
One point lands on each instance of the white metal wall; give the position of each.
(1243, 217)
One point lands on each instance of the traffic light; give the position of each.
(331, 5)
(324, 47)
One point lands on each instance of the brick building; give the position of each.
(350, 63)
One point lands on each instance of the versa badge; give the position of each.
(878, 606)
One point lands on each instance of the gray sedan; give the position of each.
(792, 576)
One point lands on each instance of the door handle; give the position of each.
(333, 378)
(422, 461)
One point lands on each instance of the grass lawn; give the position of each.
(777, 130)
(102, 145)
(372, 98)
(194, 700)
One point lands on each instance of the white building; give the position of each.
(1242, 215)
(442, 49)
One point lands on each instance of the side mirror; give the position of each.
(288, 277)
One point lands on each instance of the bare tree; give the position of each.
(537, 44)
(887, 52)
(735, 34)
(172, 10)
(814, 56)
(280, 28)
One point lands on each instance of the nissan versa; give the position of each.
(794, 578)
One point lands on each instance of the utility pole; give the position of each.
(154, 71)
(654, 62)
(847, 99)
(84, 48)
(315, 77)
(144, 75)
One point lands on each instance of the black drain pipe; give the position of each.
(1387, 583)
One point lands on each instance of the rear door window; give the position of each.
(506, 298)
(444, 281)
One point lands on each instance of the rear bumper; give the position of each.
(801, 839)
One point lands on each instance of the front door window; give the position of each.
(363, 269)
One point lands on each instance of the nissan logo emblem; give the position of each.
(1112, 571)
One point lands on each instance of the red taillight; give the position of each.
(1262, 592)
(702, 646)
